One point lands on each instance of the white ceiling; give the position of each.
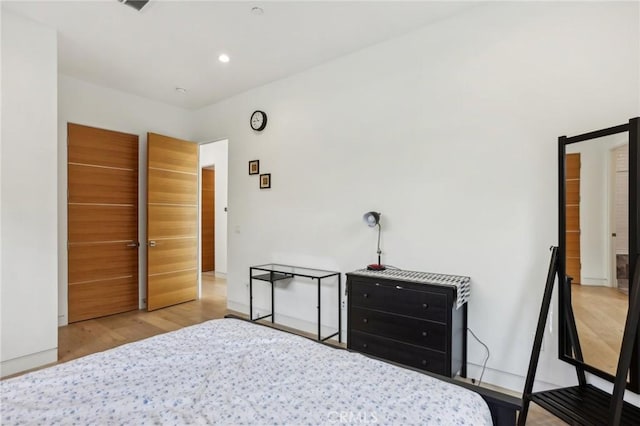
(173, 44)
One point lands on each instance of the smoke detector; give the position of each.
(136, 4)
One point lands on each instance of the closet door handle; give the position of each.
(133, 245)
(152, 243)
(366, 295)
(365, 320)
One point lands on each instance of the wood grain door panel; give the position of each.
(91, 184)
(100, 298)
(101, 261)
(573, 192)
(102, 219)
(172, 187)
(89, 145)
(93, 223)
(172, 221)
(208, 179)
(177, 255)
(572, 217)
(573, 270)
(172, 288)
(572, 166)
(573, 245)
(172, 154)
(208, 220)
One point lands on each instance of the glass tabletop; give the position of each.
(295, 270)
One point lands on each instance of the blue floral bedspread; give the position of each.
(231, 372)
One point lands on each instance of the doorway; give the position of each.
(213, 218)
(620, 217)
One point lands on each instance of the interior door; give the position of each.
(172, 221)
(208, 219)
(102, 206)
(573, 217)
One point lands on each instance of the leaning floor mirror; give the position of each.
(598, 246)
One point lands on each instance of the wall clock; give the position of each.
(258, 120)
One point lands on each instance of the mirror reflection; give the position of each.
(597, 244)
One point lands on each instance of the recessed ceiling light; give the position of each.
(257, 10)
(181, 90)
(224, 58)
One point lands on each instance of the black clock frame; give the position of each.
(264, 120)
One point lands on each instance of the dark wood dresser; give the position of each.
(412, 318)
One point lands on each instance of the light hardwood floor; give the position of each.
(600, 314)
(86, 337)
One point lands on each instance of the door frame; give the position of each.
(611, 212)
(220, 220)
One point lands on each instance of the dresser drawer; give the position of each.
(429, 334)
(402, 353)
(399, 299)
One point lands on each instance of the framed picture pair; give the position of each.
(265, 179)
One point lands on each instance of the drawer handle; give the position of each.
(366, 295)
(424, 334)
(399, 287)
(365, 320)
(364, 345)
(424, 362)
(425, 306)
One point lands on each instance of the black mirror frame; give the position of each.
(564, 345)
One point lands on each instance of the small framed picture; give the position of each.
(254, 167)
(265, 181)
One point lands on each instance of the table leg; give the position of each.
(250, 295)
(319, 315)
(463, 370)
(339, 308)
(273, 311)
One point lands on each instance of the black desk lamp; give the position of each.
(373, 219)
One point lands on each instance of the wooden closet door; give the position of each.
(172, 221)
(102, 172)
(572, 197)
(207, 207)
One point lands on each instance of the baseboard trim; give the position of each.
(287, 321)
(28, 362)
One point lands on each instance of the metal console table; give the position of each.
(273, 272)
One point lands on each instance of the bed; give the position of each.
(230, 371)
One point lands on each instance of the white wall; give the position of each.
(450, 132)
(216, 154)
(84, 103)
(28, 195)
